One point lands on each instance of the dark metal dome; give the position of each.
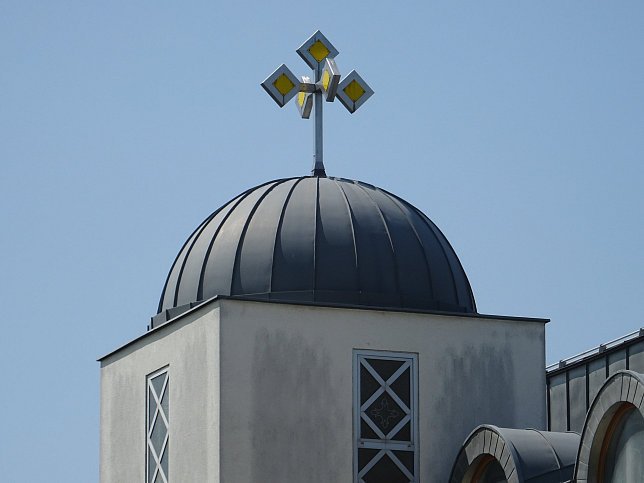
(320, 240)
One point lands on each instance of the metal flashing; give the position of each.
(599, 352)
(191, 308)
(163, 326)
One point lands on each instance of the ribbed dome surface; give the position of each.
(318, 239)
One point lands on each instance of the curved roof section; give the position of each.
(526, 455)
(319, 240)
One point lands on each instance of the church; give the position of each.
(322, 329)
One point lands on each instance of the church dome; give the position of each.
(318, 240)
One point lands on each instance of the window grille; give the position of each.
(385, 417)
(157, 426)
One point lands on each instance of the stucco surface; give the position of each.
(287, 389)
(190, 349)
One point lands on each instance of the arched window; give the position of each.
(491, 472)
(612, 442)
(622, 460)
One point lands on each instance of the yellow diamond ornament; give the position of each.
(325, 79)
(319, 51)
(315, 49)
(354, 91)
(283, 84)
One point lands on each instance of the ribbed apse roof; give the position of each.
(318, 239)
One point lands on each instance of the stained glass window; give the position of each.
(158, 410)
(385, 417)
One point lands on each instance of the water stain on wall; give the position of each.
(295, 411)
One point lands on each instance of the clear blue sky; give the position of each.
(516, 126)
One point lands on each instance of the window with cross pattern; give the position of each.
(385, 417)
(157, 426)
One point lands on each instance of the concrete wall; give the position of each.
(190, 348)
(287, 389)
(263, 392)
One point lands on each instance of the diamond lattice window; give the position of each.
(385, 417)
(157, 426)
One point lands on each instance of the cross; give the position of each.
(319, 54)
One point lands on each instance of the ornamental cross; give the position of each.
(319, 54)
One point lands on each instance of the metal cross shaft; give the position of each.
(318, 137)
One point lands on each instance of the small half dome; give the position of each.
(318, 240)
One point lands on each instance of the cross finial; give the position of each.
(319, 54)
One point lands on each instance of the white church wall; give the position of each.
(287, 385)
(189, 348)
(264, 391)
